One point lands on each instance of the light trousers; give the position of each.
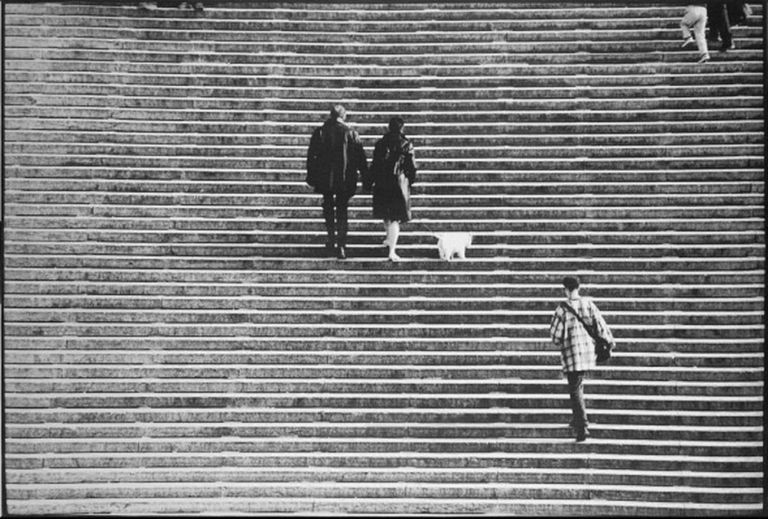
(695, 18)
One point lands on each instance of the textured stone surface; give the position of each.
(175, 343)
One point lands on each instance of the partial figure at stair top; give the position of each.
(184, 6)
(695, 18)
(334, 159)
(392, 173)
(577, 348)
(723, 14)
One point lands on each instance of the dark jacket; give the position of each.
(334, 158)
(736, 11)
(393, 171)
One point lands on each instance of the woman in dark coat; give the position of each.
(392, 173)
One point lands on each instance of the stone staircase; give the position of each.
(175, 343)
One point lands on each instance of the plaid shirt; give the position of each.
(576, 346)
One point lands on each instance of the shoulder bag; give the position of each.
(603, 348)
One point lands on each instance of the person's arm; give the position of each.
(557, 327)
(313, 156)
(369, 178)
(360, 160)
(602, 327)
(409, 164)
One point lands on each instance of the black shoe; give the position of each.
(330, 248)
(726, 48)
(582, 435)
(341, 252)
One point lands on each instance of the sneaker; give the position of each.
(199, 7)
(703, 58)
(341, 252)
(687, 42)
(147, 6)
(726, 48)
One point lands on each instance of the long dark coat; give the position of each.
(334, 158)
(393, 171)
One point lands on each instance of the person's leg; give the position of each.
(386, 232)
(392, 235)
(576, 391)
(342, 204)
(725, 27)
(699, 28)
(686, 23)
(330, 226)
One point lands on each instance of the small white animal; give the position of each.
(451, 244)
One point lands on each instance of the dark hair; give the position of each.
(396, 124)
(571, 283)
(338, 112)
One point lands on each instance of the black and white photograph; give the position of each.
(383, 258)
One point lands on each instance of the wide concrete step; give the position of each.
(18, 93)
(378, 11)
(403, 506)
(744, 194)
(387, 279)
(354, 331)
(440, 50)
(324, 301)
(627, 357)
(532, 159)
(411, 475)
(312, 225)
(459, 77)
(670, 346)
(363, 214)
(41, 128)
(512, 313)
(566, 458)
(426, 143)
(343, 20)
(146, 61)
(531, 252)
(665, 389)
(460, 184)
(376, 491)
(366, 446)
(449, 119)
(412, 112)
(296, 237)
(350, 366)
(23, 268)
(338, 416)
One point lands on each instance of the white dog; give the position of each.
(451, 244)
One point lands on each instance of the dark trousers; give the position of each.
(335, 207)
(720, 24)
(576, 390)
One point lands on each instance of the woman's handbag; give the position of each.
(603, 348)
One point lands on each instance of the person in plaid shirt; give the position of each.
(577, 348)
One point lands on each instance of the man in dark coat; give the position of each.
(334, 159)
(723, 14)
